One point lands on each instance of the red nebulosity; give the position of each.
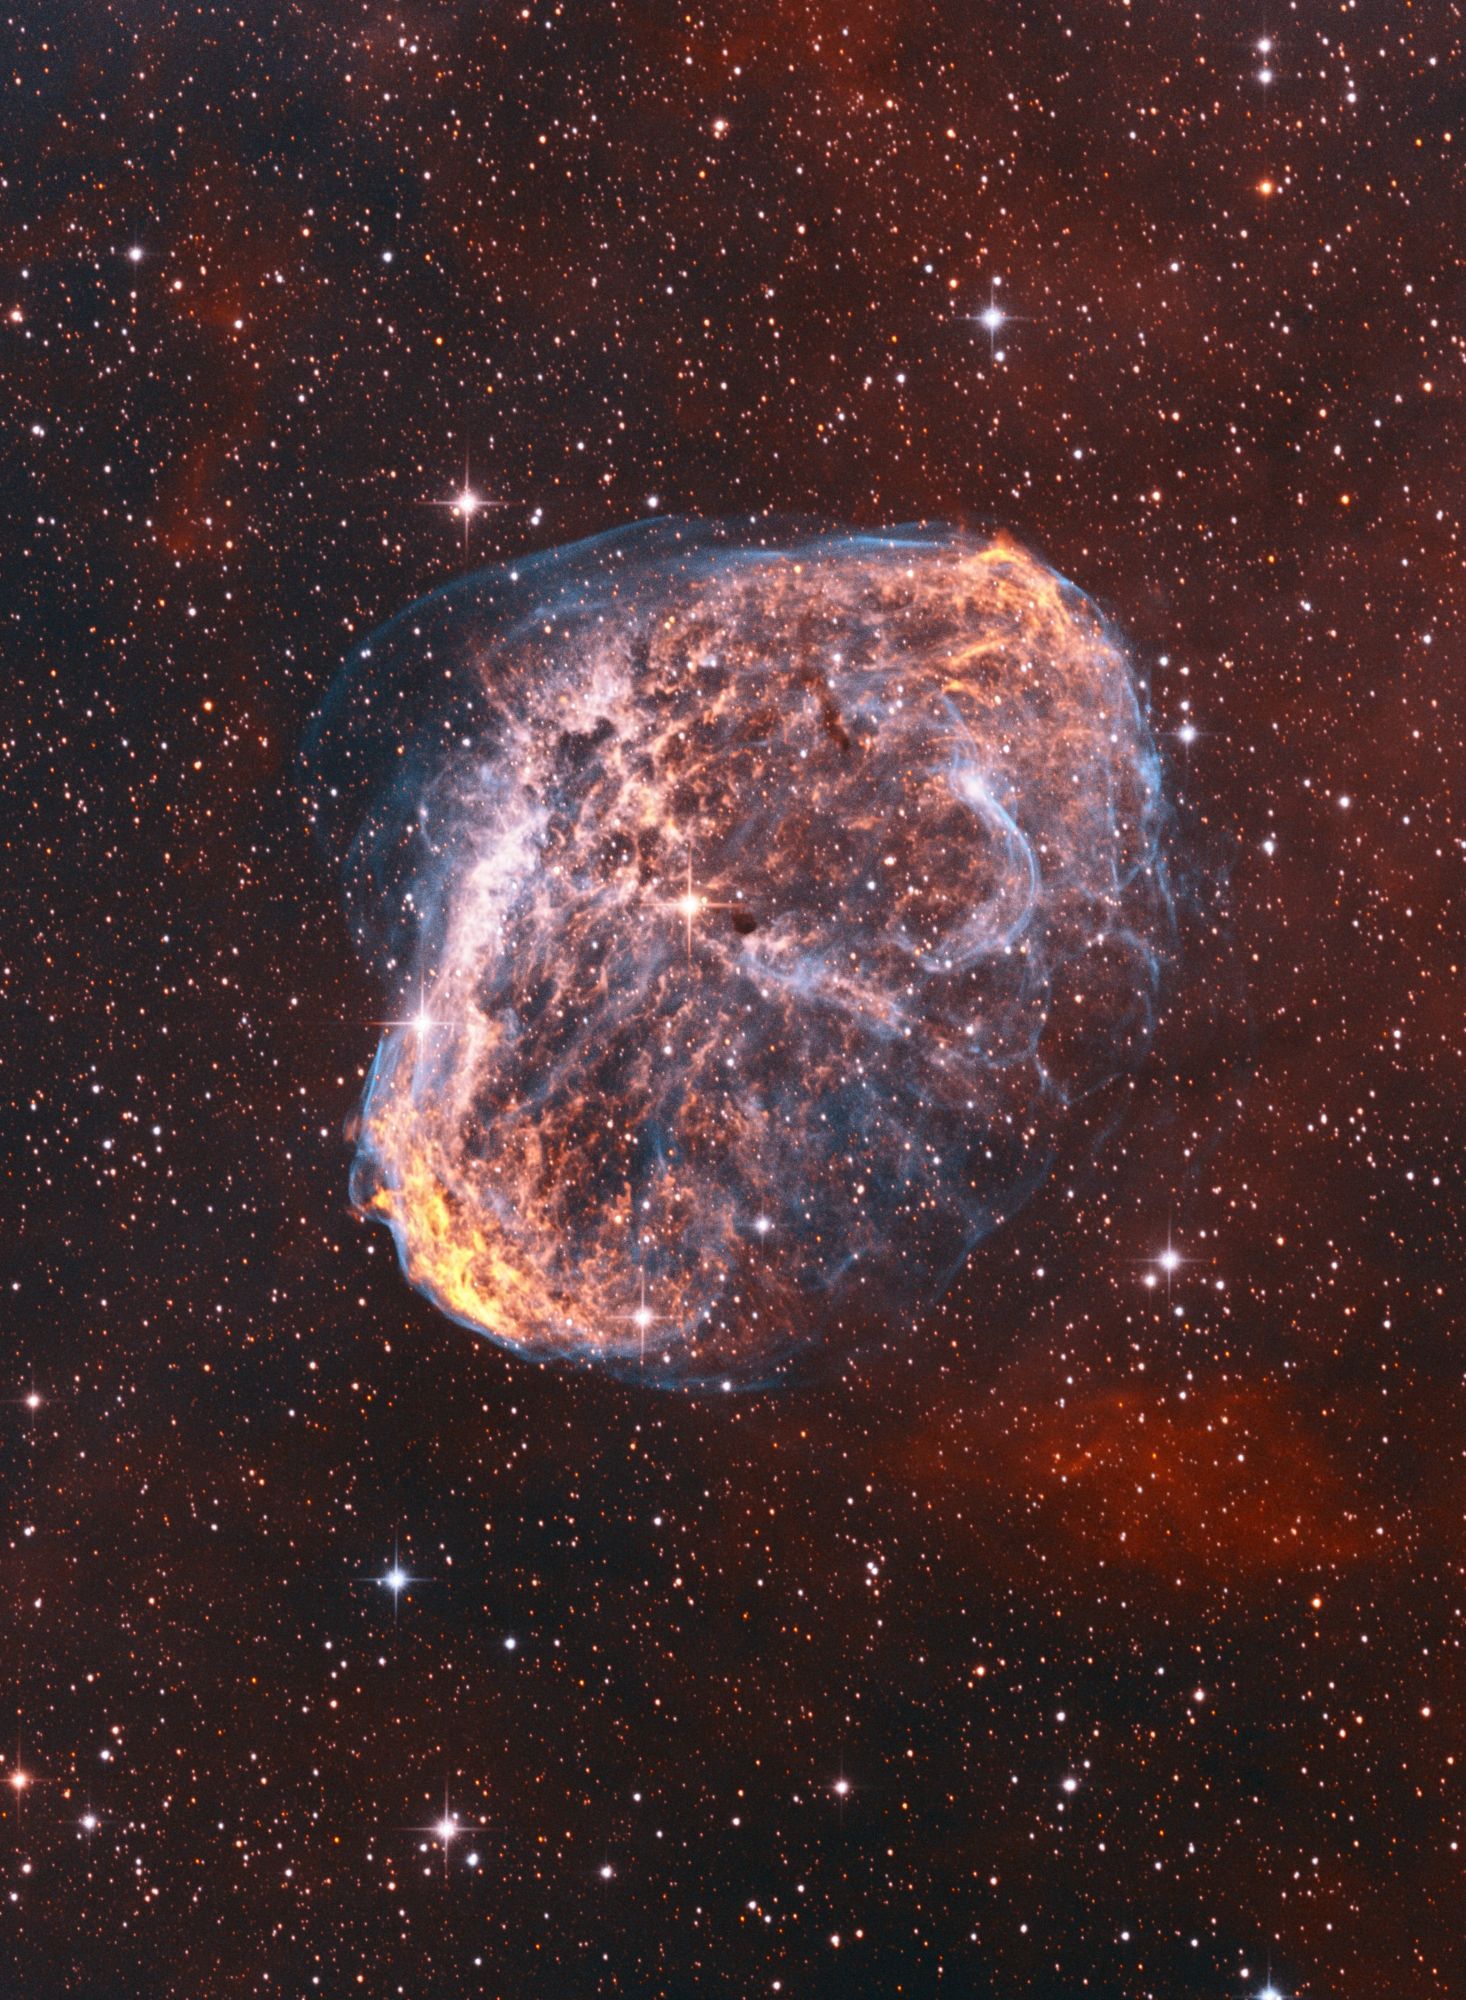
(277, 279)
(1230, 1480)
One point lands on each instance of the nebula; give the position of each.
(755, 909)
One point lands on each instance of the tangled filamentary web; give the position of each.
(754, 911)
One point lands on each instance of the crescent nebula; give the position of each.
(756, 910)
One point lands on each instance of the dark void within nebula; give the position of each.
(756, 911)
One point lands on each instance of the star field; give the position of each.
(1101, 1634)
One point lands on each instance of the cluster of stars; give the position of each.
(1098, 1630)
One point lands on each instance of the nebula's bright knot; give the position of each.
(754, 915)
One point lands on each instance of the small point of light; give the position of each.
(422, 1021)
(992, 318)
(1169, 1260)
(467, 503)
(135, 254)
(842, 1788)
(763, 1225)
(89, 1822)
(653, 501)
(689, 904)
(1187, 732)
(396, 1579)
(607, 1871)
(1069, 1785)
(511, 1644)
(19, 1780)
(33, 1401)
(643, 1316)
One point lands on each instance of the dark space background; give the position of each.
(796, 1681)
